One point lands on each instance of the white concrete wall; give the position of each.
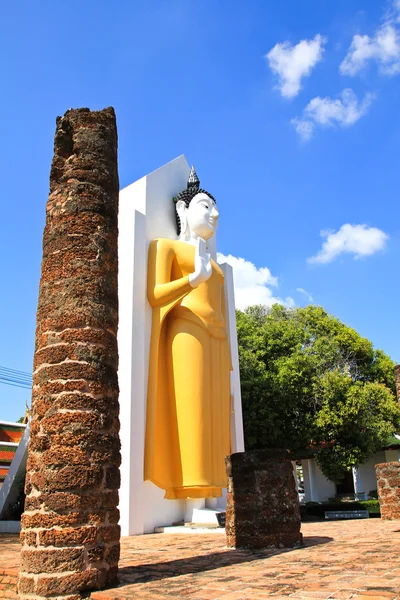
(236, 398)
(10, 526)
(317, 488)
(367, 472)
(296, 481)
(142, 504)
(390, 456)
(147, 212)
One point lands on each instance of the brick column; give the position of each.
(262, 503)
(388, 477)
(70, 536)
(397, 377)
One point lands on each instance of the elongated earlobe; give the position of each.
(181, 210)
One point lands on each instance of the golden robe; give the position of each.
(188, 398)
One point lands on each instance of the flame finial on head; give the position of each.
(187, 195)
(193, 180)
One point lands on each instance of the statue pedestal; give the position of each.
(146, 212)
(194, 507)
(205, 516)
(204, 510)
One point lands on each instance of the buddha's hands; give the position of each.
(202, 264)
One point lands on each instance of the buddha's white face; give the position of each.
(200, 217)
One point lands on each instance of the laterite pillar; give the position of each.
(262, 501)
(388, 478)
(70, 533)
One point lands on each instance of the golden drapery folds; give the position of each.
(188, 401)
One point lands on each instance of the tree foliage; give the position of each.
(309, 380)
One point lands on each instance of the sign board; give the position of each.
(346, 514)
(221, 517)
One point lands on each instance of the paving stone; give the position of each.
(340, 561)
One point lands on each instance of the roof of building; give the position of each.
(12, 423)
(7, 453)
(311, 451)
(11, 432)
(10, 437)
(393, 442)
(3, 473)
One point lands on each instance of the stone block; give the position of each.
(54, 560)
(262, 502)
(388, 477)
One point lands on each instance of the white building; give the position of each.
(361, 481)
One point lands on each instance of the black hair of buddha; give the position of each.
(187, 196)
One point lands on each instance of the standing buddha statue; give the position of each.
(188, 399)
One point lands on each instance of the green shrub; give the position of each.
(316, 509)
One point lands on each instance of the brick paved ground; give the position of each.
(9, 565)
(354, 559)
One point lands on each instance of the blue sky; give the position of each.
(254, 94)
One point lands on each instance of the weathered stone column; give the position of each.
(262, 502)
(388, 478)
(70, 536)
(397, 377)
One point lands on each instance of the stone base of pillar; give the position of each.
(262, 502)
(388, 478)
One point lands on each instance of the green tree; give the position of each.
(309, 380)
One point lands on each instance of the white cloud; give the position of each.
(359, 240)
(306, 294)
(383, 47)
(292, 63)
(252, 285)
(328, 112)
(304, 128)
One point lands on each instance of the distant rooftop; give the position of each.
(393, 442)
(10, 437)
